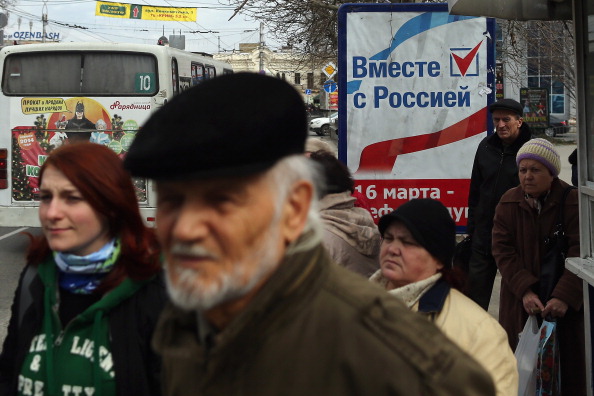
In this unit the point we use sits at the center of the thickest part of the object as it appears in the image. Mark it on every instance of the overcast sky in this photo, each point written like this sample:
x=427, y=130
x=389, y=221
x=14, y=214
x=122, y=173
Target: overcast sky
x=75, y=20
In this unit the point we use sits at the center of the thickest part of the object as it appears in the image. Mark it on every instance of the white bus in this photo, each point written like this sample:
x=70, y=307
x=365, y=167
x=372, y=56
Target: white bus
x=57, y=93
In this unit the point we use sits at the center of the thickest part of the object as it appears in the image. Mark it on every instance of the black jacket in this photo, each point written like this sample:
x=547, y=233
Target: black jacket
x=493, y=173
x=131, y=325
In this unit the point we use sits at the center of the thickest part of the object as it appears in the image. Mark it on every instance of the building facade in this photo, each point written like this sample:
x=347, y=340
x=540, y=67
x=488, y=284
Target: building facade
x=304, y=74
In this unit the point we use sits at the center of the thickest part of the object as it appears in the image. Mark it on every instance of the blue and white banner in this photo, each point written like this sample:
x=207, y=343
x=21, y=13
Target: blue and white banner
x=415, y=83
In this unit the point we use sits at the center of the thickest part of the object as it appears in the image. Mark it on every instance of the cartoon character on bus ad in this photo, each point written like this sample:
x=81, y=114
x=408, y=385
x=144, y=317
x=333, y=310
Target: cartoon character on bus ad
x=58, y=121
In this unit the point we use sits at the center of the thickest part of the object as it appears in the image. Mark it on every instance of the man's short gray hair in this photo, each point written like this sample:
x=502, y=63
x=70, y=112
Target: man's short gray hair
x=282, y=177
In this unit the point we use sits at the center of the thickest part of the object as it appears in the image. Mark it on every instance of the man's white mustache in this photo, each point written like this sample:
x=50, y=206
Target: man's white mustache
x=192, y=251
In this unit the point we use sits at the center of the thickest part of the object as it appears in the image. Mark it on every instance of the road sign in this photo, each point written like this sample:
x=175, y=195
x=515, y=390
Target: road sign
x=330, y=69
x=308, y=91
x=330, y=86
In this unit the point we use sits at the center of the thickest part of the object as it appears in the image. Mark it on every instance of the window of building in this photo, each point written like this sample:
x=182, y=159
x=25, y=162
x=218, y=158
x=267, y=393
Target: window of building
x=545, y=60
x=310, y=80
x=297, y=78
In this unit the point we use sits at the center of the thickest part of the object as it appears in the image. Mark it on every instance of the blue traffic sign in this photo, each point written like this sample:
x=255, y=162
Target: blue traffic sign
x=330, y=86
x=308, y=91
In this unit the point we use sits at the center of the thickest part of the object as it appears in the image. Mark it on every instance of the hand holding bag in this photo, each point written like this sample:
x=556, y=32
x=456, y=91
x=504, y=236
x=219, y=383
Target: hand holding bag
x=548, y=370
x=526, y=355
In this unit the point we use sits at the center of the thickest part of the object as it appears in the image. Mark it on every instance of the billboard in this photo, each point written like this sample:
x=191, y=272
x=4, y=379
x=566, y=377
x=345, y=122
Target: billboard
x=414, y=86
x=535, y=107
x=146, y=12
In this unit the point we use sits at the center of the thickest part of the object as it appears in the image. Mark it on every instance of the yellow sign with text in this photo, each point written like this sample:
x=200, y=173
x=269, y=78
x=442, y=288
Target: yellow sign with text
x=146, y=12
x=43, y=105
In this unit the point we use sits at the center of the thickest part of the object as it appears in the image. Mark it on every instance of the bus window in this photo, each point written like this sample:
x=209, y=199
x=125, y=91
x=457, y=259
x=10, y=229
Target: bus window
x=119, y=73
x=211, y=72
x=197, y=73
x=69, y=73
x=174, y=76
x=40, y=73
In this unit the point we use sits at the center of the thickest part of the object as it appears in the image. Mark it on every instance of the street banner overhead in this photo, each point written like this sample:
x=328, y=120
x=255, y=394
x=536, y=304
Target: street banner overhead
x=146, y=12
x=414, y=86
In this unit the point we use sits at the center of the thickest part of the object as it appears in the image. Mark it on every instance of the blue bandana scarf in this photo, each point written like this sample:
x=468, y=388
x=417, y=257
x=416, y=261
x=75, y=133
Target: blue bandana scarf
x=82, y=274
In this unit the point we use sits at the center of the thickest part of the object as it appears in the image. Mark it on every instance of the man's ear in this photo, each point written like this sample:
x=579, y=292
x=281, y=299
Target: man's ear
x=295, y=210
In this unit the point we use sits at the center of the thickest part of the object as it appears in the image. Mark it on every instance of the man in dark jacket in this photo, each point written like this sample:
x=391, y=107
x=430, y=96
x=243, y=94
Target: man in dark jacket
x=493, y=173
x=258, y=307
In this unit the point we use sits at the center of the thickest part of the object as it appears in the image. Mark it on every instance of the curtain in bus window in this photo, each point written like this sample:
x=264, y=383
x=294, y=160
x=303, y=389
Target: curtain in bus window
x=212, y=73
x=42, y=73
x=197, y=73
x=119, y=73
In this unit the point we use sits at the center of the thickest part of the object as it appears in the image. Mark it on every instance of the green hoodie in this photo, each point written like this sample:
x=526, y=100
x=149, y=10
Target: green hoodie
x=79, y=360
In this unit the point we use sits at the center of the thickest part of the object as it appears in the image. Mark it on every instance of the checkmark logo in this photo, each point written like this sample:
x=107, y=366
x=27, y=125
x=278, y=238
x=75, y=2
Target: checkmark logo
x=463, y=62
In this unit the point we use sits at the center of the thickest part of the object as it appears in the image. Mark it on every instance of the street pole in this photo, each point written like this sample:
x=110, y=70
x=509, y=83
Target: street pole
x=261, y=48
x=44, y=20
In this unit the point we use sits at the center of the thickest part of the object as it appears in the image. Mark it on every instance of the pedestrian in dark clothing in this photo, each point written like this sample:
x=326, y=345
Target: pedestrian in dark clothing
x=574, y=167
x=258, y=306
x=493, y=173
x=525, y=220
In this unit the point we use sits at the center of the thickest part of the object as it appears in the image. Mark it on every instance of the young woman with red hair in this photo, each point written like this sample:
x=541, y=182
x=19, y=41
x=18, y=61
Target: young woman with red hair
x=89, y=298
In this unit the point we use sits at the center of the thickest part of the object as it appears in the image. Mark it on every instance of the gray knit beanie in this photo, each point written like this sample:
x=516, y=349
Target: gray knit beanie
x=543, y=151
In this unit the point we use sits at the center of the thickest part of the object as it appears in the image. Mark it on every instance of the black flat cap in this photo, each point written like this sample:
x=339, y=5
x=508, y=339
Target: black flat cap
x=507, y=104
x=430, y=223
x=232, y=125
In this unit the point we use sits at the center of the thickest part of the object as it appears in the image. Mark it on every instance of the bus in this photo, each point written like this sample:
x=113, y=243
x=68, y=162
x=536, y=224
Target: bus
x=57, y=93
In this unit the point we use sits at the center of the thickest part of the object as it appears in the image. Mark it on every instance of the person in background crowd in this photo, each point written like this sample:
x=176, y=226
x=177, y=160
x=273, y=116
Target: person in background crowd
x=350, y=235
x=418, y=241
x=574, y=167
x=524, y=220
x=89, y=298
x=258, y=306
x=494, y=172
x=313, y=144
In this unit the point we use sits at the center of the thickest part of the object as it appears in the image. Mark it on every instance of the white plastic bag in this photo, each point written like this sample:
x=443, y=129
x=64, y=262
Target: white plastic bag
x=526, y=355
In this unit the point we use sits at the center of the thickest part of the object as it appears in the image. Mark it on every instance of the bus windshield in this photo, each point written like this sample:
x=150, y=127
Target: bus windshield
x=80, y=73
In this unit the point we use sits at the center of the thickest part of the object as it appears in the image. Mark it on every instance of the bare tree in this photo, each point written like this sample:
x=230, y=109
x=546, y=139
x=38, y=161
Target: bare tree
x=544, y=51
x=535, y=48
x=310, y=27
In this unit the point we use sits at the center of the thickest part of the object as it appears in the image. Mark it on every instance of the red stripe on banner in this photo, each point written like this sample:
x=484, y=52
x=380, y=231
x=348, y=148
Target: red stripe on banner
x=382, y=156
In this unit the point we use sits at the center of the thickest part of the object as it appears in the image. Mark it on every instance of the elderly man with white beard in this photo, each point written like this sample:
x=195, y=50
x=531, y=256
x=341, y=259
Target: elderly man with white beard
x=257, y=306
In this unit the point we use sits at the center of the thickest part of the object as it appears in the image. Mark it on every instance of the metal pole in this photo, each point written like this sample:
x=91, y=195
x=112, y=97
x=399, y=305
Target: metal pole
x=261, y=47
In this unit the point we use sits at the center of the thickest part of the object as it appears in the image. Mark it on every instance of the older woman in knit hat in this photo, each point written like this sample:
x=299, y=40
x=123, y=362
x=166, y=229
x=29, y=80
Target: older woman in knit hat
x=418, y=241
x=524, y=224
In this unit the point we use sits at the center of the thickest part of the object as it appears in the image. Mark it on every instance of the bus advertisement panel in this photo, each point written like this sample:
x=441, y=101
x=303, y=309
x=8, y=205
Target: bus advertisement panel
x=44, y=124
x=414, y=86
